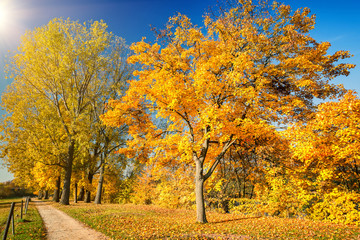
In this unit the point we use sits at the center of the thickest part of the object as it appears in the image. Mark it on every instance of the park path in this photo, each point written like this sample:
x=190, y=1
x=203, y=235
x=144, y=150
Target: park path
x=60, y=226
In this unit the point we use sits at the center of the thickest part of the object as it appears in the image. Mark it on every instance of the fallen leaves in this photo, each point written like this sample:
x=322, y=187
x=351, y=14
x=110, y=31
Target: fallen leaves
x=151, y=222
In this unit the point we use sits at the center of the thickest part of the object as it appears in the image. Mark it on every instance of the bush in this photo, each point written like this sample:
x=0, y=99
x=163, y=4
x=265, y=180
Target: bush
x=284, y=197
x=125, y=191
x=338, y=207
x=175, y=193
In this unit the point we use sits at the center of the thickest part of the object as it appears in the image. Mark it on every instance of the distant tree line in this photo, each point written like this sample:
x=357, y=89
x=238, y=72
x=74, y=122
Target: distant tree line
x=9, y=189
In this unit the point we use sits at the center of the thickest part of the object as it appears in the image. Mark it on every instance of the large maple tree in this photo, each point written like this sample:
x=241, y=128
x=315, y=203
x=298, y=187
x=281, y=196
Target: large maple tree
x=250, y=67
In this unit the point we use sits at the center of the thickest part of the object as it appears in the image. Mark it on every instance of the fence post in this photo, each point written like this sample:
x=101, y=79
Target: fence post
x=13, y=224
x=26, y=204
x=21, y=214
x=11, y=213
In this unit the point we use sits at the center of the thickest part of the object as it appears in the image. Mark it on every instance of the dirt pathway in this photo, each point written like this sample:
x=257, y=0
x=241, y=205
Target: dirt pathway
x=60, y=226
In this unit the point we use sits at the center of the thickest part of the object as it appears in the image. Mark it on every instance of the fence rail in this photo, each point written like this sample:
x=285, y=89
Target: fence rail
x=11, y=217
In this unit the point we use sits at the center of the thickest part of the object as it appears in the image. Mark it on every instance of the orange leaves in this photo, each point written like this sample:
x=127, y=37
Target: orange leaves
x=234, y=72
x=203, y=90
x=328, y=145
x=150, y=222
x=301, y=20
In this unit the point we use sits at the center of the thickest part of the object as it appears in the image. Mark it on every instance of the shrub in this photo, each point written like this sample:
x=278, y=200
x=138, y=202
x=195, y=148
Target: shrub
x=338, y=206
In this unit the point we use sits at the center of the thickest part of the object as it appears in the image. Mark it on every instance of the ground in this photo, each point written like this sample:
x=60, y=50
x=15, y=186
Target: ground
x=60, y=226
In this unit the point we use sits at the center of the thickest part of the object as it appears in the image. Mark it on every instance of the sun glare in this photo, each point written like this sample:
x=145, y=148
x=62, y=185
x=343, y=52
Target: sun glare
x=10, y=28
x=3, y=15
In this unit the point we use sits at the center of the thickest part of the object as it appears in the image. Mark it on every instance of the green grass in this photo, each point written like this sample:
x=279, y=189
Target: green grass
x=30, y=227
x=10, y=200
x=4, y=211
x=152, y=222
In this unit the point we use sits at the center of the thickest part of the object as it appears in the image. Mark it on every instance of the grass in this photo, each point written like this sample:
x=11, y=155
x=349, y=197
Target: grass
x=30, y=227
x=151, y=222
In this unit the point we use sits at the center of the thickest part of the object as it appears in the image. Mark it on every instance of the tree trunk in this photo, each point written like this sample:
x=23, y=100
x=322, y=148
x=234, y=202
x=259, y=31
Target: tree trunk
x=46, y=196
x=252, y=191
x=81, y=194
x=65, y=196
x=199, y=192
x=100, y=185
x=238, y=183
x=40, y=194
x=225, y=205
x=75, y=193
x=88, y=192
x=56, y=197
x=87, y=196
x=244, y=188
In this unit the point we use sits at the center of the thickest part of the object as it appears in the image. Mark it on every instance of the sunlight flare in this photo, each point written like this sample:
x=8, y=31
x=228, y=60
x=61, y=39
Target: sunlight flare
x=12, y=13
x=4, y=14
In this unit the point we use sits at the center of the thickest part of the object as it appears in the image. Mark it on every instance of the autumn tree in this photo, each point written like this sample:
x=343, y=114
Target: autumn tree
x=327, y=147
x=31, y=140
x=67, y=66
x=252, y=66
x=99, y=141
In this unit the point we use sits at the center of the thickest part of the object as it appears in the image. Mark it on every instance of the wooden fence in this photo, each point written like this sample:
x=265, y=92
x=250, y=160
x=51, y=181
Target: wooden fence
x=11, y=217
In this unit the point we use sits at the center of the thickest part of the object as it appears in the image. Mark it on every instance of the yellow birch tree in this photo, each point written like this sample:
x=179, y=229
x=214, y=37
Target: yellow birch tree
x=67, y=66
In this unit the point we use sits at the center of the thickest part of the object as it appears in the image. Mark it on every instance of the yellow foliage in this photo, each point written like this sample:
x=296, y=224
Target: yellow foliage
x=248, y=68
x=327, y=147
x=338, y=207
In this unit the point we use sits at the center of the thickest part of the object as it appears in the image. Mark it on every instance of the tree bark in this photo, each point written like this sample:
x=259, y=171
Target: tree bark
x=88, y=192
x=244, y=188
x=100, y=185
x=225, y=205
x=199, y=192
x=87, y=196
x=75, y=193
x=46, y=196
x=40, y=194
x=65, y=196
x=81, y=194
x=56, y=197
x=252, y=191
x=200, y=177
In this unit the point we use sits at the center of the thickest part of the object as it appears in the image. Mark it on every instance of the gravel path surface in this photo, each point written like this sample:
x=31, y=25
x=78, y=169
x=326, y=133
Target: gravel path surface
x=60, y=226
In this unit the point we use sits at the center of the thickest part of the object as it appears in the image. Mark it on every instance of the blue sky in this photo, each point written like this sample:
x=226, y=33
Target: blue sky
x=337, y=22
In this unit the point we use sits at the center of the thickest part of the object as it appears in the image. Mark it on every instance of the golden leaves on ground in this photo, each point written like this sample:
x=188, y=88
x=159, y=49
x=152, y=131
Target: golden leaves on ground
x=151, y=222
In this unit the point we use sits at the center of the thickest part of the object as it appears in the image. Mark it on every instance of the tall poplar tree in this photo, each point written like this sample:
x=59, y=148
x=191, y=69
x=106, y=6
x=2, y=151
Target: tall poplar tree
x=68, y=66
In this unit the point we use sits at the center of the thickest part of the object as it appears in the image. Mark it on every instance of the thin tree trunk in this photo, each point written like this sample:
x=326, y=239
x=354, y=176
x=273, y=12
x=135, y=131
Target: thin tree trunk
x=100, y=185
x=199, y=192
x=238, y=183
x=81, y=194
x=40, y=194
x=75, y=193
x=56, y=197
x=224, y=200
x=65, y=196
x=252, y=192
x=244, y=188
